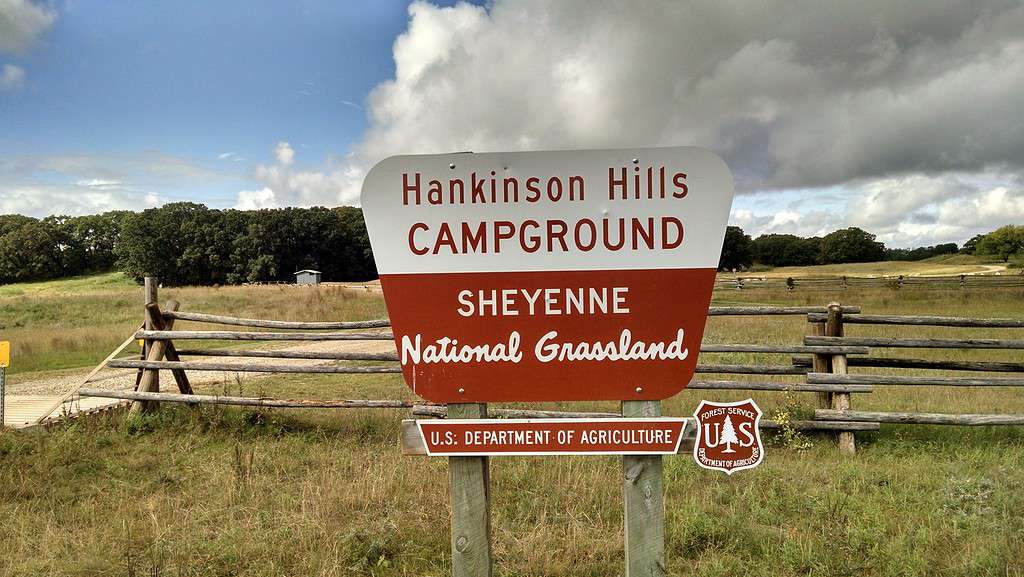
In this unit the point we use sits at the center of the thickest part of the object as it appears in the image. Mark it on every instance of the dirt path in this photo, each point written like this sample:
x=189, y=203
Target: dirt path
x=26, y=401
x=114, y=379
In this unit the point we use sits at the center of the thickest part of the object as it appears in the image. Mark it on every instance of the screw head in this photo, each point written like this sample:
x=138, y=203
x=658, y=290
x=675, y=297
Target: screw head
x=452, y=166
x=636, y=161
x=639, y=389
x=462, y=391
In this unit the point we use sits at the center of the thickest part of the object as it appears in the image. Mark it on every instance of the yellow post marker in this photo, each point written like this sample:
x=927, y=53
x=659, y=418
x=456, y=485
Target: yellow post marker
x=5, y=361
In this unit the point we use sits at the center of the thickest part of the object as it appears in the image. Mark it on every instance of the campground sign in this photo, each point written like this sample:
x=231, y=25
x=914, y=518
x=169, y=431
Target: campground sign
x=548, y=276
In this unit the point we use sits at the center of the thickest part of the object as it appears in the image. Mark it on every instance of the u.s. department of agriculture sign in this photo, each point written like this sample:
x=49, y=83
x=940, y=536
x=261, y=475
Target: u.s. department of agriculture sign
x=548, y=276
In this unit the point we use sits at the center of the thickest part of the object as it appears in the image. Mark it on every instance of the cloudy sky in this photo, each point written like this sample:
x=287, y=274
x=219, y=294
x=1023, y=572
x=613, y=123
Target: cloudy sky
x=904, y=118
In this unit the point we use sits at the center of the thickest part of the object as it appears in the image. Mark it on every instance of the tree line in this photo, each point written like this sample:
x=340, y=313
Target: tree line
x=853, y=244
x=186, y=243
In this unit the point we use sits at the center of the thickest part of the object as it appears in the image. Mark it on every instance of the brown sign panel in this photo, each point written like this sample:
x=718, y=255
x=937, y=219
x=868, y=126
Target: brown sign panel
x=548, y=276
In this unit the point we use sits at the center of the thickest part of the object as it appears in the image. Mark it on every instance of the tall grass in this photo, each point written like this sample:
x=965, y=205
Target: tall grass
x=212, y=491
x=75, y=323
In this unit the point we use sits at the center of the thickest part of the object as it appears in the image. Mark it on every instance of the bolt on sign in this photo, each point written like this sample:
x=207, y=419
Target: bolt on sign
x=548, y=276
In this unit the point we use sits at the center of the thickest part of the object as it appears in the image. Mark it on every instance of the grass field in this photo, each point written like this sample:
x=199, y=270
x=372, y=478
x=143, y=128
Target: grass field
x=946, y=265
x=74, y=323
x=230, y=492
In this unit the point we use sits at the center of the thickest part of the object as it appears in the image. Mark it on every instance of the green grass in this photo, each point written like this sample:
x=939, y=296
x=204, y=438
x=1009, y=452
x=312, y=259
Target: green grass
x=226, y=492
x=946, y=265
x=69, y=286
x=258, y=493
x=76, y=322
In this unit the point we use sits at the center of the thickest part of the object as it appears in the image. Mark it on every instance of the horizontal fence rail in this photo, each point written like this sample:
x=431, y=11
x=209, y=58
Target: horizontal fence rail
x=246, y=401
x=829, y=378
x=839, y=283
x=920, y=418
x=783, y=387
x=269, y=324
x=761, y=311
x=251, y=367
x=898, y=363
x=885, y=342
x=912, y=320
x=310, y=355
x=255, y=336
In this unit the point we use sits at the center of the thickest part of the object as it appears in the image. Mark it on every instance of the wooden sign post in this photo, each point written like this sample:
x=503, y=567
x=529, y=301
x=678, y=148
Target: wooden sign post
x=549, y=276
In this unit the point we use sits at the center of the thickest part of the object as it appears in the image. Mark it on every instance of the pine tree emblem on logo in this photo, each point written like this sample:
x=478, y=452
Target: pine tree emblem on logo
x=728, y=438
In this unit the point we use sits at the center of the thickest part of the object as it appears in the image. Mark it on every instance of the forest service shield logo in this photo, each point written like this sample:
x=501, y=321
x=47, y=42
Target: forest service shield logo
x=728, y=438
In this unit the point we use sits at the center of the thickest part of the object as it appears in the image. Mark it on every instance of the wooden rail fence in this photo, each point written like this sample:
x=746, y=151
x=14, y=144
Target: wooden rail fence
x=1011, y=279
x=823, y=360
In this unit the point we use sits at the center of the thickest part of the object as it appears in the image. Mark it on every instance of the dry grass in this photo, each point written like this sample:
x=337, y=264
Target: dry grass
x=53, y=328
x=231, y=492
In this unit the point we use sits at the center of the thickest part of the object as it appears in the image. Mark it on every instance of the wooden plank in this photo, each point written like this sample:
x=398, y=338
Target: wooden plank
x=752, y=348
x=920, y=320
x=773, y=386
x=272, y=324
x=821, y=425
x=643, y=503
x=469, y=482
x=257, y=336
x=756, y=311
x=916, y=343
x=825, y=378
x=334, y=356
x=250, y=367
x=920, y=418
x=193, y=399
x=752, y=369
x=896, y=363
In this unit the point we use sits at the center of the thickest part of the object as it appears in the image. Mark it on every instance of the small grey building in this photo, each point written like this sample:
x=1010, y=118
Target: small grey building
x=307, y=276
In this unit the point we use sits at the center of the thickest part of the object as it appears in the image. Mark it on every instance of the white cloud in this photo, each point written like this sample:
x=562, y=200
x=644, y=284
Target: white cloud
x=337, y=184
x=284, y=154
x=903, y=212
x=92, y=183
x=891, y=109
x=256, y=199
x=12, y=77
x=22, y=23
x=42, y=200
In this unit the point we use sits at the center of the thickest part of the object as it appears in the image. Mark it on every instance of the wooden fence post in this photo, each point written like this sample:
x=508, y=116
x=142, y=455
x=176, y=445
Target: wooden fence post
x=470, y=486
x=150, y=378
x=834, y=328
x=644, y=503
x=819, y=362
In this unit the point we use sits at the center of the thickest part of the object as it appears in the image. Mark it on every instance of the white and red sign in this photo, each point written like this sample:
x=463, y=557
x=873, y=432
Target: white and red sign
x=728, y=436
x=548, y=276
x=612, y=436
